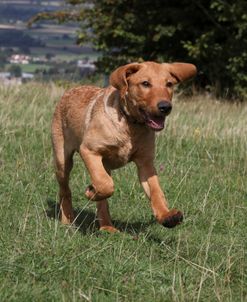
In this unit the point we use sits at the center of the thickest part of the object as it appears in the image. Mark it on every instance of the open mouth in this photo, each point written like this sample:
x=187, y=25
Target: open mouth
x=155, y=122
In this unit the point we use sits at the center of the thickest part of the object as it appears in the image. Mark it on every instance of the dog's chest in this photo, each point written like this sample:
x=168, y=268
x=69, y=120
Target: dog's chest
x=116, y=156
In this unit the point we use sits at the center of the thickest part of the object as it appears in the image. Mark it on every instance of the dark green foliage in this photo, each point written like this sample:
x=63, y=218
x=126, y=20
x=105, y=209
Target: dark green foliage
x=15, y=71
x=3, y=59
x=212, y=34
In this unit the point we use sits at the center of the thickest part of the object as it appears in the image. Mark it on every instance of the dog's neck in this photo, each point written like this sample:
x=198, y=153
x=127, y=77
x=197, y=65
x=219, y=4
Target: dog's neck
x=123, y=105
x=124, y=111
x=115, y=106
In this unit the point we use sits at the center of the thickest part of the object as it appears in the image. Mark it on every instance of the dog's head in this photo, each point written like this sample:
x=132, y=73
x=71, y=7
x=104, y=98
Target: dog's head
x=147, y=89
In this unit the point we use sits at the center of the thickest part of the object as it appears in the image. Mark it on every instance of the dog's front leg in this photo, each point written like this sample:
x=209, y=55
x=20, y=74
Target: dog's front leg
x=102, y=185
x=150, y=182
x=104, y=217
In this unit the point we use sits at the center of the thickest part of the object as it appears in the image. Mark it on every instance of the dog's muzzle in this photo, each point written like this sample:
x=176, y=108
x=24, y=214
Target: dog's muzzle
x=155, y=122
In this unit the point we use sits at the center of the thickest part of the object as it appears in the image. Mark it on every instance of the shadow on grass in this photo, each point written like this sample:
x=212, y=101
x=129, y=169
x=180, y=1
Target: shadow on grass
x=87, y=222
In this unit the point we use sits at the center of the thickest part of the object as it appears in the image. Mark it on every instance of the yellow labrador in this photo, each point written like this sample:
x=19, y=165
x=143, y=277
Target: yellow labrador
x=112, y=126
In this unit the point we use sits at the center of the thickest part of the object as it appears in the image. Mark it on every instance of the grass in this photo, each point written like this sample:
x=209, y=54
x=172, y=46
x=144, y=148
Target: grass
x=30, y=67
x=202, y=163
x=33, y=67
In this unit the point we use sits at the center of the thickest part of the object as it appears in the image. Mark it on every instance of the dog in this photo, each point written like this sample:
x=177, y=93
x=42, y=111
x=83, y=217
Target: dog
x=112, y=126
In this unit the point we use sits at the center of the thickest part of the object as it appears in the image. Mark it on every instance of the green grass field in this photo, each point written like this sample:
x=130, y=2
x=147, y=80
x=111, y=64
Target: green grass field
x=30, y=67
x=202, y=163
x=33, y=67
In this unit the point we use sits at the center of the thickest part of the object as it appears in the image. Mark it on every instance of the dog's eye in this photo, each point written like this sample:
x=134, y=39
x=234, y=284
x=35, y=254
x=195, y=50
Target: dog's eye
x=169, y=84
x=146, y=84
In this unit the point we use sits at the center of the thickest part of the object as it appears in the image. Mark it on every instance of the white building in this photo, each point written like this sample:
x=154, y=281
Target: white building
x=19, y=59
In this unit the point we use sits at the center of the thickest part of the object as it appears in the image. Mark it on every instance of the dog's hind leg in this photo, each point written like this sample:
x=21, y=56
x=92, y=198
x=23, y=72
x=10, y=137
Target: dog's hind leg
x=63, y=160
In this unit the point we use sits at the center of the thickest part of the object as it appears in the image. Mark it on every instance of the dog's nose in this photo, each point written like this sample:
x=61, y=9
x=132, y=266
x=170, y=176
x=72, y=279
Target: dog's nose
x=165, y=107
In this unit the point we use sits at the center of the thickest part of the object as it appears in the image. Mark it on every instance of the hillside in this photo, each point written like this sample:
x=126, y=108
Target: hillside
x=51, y=47
x=202, y=165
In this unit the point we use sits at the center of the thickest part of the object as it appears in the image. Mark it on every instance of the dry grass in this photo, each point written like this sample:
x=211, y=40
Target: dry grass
x=201, y=159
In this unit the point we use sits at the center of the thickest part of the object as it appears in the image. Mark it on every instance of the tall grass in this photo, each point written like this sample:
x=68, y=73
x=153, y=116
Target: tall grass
x=202, y=164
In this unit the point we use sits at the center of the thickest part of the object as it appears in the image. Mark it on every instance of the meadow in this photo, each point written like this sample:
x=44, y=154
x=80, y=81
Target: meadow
x=202, y=165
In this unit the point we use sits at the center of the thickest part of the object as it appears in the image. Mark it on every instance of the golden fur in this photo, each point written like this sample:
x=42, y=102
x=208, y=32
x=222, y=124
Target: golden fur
x=112, y=126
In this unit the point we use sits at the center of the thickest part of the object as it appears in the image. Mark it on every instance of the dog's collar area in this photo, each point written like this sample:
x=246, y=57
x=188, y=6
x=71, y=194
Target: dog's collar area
x=128, y=117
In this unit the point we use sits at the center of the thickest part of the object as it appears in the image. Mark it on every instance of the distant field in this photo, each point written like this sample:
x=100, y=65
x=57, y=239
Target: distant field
x=59, y=40
x=64, y=54
x=31, y=67
x=202, y=164
x=63, y=48
x=28, y=2
x=54, y=29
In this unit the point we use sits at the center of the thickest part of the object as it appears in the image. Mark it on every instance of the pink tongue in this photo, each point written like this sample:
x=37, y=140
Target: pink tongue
x=156, y=122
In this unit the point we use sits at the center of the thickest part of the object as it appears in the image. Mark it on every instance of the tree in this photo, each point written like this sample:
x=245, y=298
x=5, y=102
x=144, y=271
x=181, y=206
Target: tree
x=212, y=34
x=49, y=55
x=15, y=71
x=3, y=59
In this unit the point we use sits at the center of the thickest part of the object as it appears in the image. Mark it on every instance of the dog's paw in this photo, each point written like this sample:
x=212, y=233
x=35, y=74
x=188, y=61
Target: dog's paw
x=94, y=195
x=109, y=229
x=173, y=218
x=90, y=192
x=67, y=219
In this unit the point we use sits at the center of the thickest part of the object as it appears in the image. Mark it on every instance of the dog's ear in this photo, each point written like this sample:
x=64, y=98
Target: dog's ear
x=182, y=71
x=119, y=77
